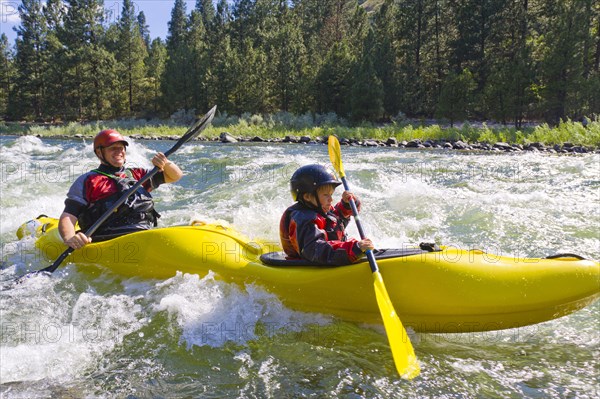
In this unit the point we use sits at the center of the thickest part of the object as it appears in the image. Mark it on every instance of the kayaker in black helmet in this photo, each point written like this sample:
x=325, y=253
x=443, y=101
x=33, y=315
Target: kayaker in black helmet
x=94, y=192
x=312, y=228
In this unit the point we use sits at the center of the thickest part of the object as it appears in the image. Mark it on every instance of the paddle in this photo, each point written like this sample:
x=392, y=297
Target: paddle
x=192, y=132
x=402, y=350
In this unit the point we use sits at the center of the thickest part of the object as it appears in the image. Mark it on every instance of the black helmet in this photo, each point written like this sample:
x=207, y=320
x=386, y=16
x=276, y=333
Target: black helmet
x=310, y=177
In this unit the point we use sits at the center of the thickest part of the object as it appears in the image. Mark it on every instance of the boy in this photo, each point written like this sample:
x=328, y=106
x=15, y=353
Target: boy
x=312, y=228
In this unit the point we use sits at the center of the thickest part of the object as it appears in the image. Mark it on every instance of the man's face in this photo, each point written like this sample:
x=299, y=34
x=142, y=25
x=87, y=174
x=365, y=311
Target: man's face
x=114, y=154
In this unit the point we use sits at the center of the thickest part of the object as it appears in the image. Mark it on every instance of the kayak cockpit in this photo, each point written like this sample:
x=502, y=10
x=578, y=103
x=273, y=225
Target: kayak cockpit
x=281, y=259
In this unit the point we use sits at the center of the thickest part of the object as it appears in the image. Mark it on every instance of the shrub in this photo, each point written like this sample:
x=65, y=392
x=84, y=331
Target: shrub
x=256, y=120
x=322, y=125
x=399, y=118
x=329, y=119
x=183, y=117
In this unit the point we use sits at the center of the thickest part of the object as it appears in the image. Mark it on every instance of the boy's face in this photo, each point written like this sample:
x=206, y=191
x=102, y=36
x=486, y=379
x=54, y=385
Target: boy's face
x=325, y=197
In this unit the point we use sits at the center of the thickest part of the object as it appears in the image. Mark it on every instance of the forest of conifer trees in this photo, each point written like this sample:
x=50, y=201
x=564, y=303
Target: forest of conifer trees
x=503, y=60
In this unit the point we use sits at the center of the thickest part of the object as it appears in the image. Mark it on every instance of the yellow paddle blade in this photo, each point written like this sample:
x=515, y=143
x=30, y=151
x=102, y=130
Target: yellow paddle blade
x=335, y=155
x=402, y=350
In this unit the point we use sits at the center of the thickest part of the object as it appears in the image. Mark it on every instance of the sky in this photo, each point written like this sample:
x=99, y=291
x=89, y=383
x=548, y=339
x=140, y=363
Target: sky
x=158, y=13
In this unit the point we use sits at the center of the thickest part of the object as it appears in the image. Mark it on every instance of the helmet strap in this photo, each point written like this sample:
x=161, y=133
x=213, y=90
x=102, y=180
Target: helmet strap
x=100, y=155
x=319, y=205
x=103, y=159
x=310, y=204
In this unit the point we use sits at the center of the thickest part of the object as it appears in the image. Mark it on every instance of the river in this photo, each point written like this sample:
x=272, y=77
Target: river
x=75, y=335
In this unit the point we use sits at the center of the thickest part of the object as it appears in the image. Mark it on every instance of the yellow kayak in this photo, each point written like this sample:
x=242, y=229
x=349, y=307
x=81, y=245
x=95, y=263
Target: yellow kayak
x=442, y=291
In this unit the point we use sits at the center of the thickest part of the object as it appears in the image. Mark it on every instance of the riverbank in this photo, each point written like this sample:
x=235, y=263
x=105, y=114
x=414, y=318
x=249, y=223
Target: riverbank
x=567, y=137
x=441, y=144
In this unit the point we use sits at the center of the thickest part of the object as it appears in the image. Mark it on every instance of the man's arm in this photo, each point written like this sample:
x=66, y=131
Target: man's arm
x=66, y=228
x=170, y=170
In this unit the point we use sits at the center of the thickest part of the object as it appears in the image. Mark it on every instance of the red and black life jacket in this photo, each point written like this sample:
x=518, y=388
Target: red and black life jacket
x=318, y=237
x=136, y=213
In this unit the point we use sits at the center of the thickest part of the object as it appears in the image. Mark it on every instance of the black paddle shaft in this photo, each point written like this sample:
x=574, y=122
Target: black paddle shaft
x=361, y=232
x=193, y=131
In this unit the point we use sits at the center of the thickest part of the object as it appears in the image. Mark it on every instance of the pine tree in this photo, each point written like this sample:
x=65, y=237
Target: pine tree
x=456, y=96
x=144, y=29
x=384, y=53
x=6, y=74
x=248, y=66
x=131, y=55
x=358, y=28
x=591, y=59
x=507, y=93
x=223, y=15
x=89, y=67
x=287, y=61
x=411, y=20
x=316, y=21
x=242, y=22
x=251, y=87
x=440, y=32
x=525, y=59
x=366, y=94
x=336, y=24
x=202, y=42
x=333, y=81
x=54, y=99
x=31, y=59
x=594, y=78
x=562, y=62
x=268, y=20
x=474, y=21
x=220, y=75
x=200, y=64
x=176, y=85
x=206, y=9
x=155, y=67
x=465, y=43
x=177, y=25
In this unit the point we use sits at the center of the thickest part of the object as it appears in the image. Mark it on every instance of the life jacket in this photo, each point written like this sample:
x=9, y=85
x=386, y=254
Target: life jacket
x=330, y=227
x=334, y=228
x=136, y=213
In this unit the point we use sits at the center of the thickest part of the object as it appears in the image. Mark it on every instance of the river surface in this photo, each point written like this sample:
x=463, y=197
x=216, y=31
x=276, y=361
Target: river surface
x=74, y=335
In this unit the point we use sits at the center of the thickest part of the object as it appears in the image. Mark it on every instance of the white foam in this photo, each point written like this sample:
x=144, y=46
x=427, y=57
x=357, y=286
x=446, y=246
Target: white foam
x=211, y=312
x=55, y=341
x=32, y=145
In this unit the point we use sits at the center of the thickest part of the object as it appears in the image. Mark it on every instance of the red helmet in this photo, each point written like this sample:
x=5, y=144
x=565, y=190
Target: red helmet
x=107, y=138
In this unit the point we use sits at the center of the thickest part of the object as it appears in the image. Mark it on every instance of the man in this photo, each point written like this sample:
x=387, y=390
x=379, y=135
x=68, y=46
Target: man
x=96, y=191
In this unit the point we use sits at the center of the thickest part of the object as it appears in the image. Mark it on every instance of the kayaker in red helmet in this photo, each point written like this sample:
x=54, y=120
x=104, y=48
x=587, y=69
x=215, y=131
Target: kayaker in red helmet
x=312, y=228
x=94, y=192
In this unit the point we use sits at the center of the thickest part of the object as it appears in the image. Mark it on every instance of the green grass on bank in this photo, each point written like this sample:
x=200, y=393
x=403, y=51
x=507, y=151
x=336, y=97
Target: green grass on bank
x=271, y=127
